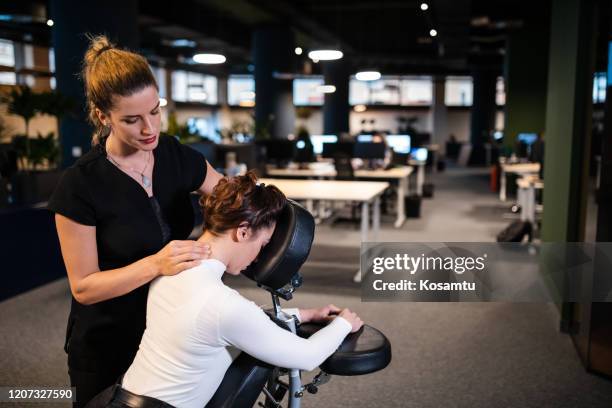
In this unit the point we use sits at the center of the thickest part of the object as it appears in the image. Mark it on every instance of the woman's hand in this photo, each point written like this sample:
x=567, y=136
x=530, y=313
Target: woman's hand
x=321, y=315
x=328, y=313
x=352, y=318
x=177, y=256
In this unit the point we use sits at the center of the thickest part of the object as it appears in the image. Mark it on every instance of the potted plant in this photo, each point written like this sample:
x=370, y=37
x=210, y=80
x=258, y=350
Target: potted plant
x=182, y=132
x=37, y=173
x=21, y=101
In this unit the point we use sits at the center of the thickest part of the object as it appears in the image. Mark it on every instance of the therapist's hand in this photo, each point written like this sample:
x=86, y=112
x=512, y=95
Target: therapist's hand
x=178, y=256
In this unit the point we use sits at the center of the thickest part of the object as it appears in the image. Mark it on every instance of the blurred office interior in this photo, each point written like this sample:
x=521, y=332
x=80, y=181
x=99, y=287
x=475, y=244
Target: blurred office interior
x=481, y=121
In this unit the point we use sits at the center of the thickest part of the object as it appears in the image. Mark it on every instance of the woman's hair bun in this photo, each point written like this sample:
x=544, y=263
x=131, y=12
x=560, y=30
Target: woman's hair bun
x=97, y=45
x=240, y=199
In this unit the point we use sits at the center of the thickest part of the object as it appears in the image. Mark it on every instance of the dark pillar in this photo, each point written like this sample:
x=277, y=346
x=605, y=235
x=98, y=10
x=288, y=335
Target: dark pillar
x=273, y=55
x=439, y=113
x=568, y=120
x=600, y=356
x=483, y=112
x=526, y=72
x=336, y=109
x=567, y=143
x=73, y=19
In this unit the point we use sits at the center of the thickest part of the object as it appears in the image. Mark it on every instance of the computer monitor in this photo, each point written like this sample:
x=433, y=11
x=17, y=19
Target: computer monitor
x=201, y=127
x=331, y=150
x=303, y=151
x=524, y=143
x=318, y=140
x=369, y=151
x=364, y=138
x=279, y=150
x=399, y=143
x=419, y=154
x=527, y=138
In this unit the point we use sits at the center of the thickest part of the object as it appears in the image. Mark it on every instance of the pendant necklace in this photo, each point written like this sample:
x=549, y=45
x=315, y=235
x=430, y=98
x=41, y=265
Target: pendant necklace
x=146, y=181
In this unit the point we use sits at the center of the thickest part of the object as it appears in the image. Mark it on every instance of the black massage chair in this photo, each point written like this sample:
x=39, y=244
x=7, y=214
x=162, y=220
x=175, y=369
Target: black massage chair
x=277, y=271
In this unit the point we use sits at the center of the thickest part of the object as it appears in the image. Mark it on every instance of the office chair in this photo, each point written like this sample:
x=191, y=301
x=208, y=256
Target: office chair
x=345, y=172
x=344, y=168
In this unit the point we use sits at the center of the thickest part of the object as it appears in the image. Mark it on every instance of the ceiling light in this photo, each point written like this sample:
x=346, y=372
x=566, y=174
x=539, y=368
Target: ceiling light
x=367, y=76
x=326, y=89
x=298, y=50
x=209, y=58
x=360, y=108
x=325, y=55
x=433, y=32
x=163, y=102
x=50, y=23
x=424, y=6
x=182, y=42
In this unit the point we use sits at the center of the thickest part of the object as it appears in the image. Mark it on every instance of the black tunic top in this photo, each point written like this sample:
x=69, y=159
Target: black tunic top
x=129, y=227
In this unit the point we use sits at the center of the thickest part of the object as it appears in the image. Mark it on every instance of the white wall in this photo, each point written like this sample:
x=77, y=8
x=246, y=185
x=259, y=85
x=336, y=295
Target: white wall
x=388, y=120
x=458, y=119
x=458, y=124
x=385, y=120
x=15, y=125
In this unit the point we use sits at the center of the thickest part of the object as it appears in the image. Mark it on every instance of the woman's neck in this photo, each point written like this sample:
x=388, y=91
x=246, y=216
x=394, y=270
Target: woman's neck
x=119, y=149
x=219, y=249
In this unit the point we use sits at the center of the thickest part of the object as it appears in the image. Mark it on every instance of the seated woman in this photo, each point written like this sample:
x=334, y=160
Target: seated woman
x=193, y=318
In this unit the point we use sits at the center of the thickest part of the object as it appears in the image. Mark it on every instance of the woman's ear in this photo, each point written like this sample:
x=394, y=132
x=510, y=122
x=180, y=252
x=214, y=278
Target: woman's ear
x=103, y=117
x=243, y=232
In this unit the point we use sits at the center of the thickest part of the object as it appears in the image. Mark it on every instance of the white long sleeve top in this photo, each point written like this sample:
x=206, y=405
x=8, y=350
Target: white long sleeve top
x=194, y=319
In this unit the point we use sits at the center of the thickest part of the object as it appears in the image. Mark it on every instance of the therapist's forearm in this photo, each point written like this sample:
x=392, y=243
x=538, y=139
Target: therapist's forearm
x=103, y=285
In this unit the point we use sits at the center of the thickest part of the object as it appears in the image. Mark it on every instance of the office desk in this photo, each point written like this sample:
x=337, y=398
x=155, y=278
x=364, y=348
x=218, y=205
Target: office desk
x=522, y=169
x=401, y=174
x=364, y=192
x=319, y=171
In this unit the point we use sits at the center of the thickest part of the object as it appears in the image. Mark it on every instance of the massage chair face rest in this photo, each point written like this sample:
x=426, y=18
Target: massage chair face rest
x=361, y=353
x=281, y=259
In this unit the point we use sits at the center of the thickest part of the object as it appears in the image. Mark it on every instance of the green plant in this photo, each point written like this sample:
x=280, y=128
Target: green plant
x=303, y=112
x=21, y=101
x=56, y=104
x=244, y=127
x=262, y=128
x=181, y=131
x=44, y=148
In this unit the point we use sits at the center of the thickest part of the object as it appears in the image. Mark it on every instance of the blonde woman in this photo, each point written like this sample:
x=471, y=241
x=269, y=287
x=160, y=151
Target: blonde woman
x=123, y=214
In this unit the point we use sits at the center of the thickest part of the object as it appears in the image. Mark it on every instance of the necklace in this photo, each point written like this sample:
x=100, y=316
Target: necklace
x=146, y=181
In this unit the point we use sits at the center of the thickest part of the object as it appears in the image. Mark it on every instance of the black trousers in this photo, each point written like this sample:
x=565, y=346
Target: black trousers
x=89, y=384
